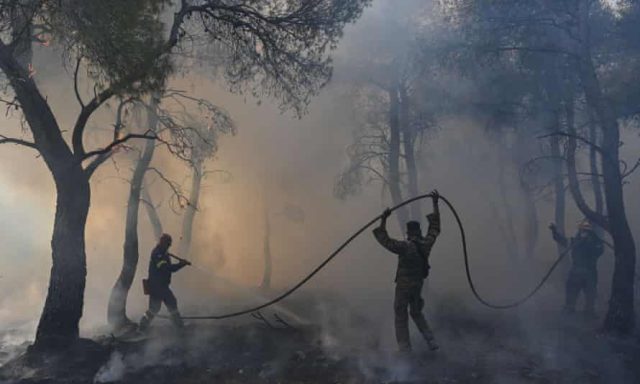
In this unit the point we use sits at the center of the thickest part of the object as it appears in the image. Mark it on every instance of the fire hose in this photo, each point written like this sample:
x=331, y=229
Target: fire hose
x=338, y=250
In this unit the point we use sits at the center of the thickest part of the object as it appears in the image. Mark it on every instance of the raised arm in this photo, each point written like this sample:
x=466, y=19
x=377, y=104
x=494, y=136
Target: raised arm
x=434, y=221
x=383, y=238
x=557, y=236
x=179, y=265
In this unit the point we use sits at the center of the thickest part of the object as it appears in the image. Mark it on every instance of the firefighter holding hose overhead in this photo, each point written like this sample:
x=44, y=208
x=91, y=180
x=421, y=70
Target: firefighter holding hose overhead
x=157, y=285
x=586, y=249
x=413, y=269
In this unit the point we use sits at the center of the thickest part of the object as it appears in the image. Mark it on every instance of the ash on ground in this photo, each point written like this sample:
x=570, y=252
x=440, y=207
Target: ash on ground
x=479, y=347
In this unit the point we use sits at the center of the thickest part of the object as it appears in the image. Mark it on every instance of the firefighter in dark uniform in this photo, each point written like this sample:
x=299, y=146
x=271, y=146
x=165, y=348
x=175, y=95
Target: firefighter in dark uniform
x=160, y=270
x=586, y=248
x=413, y=268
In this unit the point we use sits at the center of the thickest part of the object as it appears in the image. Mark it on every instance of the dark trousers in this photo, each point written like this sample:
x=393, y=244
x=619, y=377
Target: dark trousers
x=409, y=296
x=157, y=296
x=581, y=281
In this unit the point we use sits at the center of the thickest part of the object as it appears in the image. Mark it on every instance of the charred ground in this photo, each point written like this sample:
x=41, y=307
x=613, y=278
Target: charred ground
x=530, y=346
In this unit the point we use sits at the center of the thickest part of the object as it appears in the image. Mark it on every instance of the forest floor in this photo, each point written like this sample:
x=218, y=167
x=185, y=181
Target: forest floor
x=475, y=349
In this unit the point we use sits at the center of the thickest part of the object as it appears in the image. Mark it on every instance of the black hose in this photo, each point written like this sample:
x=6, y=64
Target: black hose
x=468, y=271
x=362, y=229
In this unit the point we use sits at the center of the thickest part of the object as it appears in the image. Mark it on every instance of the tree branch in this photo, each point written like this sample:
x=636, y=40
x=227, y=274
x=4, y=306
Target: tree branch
x=117, y=142
x=117, y=128
x=83, y=118
x=75, y=82
x=577, y=137
x=572, y=173
x=13, y=140
x=183, y=201
x=633, y=169
x=100, y=98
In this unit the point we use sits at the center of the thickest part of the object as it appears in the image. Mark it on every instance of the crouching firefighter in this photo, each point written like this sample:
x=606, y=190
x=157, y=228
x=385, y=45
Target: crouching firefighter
x=157, y=285
x=413, y=268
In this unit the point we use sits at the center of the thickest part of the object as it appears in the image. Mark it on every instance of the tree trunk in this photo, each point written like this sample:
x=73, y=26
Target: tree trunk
x=511, y=240
x=63, y=306
x=521, y=154
x=558, y=184
x=620, y=315
x=266, y=275
x=409, y=139
x=532, y=224
x=117, y=308
x=596, y=183
x=191, y=210
x=395, y=187
x=65, y=297
x=152, y=213
x=550, y=80
x=594, y=169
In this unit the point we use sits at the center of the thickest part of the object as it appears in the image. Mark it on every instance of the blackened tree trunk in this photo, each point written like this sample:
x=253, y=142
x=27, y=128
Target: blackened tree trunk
x=620, y=315
x=596, y=183
x=62, y=311
x=63, y=306
x=117, y=308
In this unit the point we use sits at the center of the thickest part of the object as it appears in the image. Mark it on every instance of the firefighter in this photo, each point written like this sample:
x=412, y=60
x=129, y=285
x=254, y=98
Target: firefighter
x=160, y=270
x=583, y=275
x=413, y=268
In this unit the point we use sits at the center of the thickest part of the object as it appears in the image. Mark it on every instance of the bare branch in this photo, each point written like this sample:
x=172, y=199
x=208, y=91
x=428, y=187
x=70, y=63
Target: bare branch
x=633, y=169
x=281, y=321
x=117, y=129
x=118, y=142
x=13, y=140
x=577, y=137
x=83, y=118
x=183, y=201
x=75, y=82
x=259, y=316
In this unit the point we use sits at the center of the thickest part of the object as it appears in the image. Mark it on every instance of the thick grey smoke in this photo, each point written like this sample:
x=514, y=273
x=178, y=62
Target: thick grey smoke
x=282, y=161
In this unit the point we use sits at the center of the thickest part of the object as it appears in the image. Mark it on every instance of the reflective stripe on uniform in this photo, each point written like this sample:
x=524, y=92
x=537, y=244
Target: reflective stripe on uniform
x=160, y=263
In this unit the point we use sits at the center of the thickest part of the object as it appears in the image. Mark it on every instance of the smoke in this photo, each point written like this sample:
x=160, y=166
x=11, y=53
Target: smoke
x=113, y=371
x=294, y=162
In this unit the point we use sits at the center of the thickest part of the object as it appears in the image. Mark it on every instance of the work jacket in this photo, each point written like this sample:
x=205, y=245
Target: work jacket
x=160, y=268
x=413, y=254
x=586, y=249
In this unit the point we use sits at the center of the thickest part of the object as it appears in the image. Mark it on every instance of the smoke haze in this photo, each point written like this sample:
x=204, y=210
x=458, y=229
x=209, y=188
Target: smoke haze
x=281, y=160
